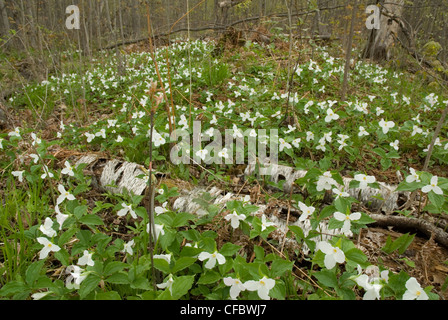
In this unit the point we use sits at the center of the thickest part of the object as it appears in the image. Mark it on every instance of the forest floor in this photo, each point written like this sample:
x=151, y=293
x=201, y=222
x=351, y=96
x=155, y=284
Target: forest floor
x=243, y=86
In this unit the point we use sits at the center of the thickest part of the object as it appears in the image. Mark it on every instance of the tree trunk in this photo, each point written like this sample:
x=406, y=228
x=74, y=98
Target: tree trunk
x=381, y=40
x=4, y=17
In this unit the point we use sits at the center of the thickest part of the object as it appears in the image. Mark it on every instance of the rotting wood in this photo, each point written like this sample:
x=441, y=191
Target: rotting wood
x=118, y=176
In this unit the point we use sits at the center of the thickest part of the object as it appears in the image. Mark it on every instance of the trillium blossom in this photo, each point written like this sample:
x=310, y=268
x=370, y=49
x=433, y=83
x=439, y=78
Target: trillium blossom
x=64, y=195
x=60, y=217
x=283, y=144
x=414, y=176
x=262, y=286
x=18, y=174
x=265, y=223
x=331, y=115
x=325, y=181
x=157, y=139
x=364, y=180
x=236, y=286
x=125, y=210
x=168, y=284
x=296, y=142
x=223, y=153
x=372, y=281
x=86, y=259
x=47, y=229
x=48, y=247
x=76, y=276
x=333, y=255
x=36, y=139
x=166, y=257
x=414, y=291
x=395, y=144
x=433, y=186
x=347, y=219
x=306, y=211
x=15, y=133
x=362, y=132
x=161, y=209
x=127, y=247
x=68, y=169
x=340, y=193
x=235, y=219
x=212, y=258
x=386, y=125
x=46, y=173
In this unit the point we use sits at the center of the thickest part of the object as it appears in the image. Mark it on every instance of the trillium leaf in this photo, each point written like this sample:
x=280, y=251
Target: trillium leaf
x=229, y=249
x=33, y=272
x=88, y=285
x=327, y=278
x=182, y=263
x=91, y=220
x=181, y=286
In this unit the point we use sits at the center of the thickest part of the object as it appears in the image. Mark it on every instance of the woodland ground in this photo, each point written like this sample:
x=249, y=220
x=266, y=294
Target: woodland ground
x=253, y=77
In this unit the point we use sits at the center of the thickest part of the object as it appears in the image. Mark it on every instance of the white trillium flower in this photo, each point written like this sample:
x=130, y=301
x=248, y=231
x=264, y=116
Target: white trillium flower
x=18, y=174
x=386, y=125
x=47, y=229
x=306, y=211
x=161, y=209
x=340, y=193
x=362, y=132
x=433, y=186
x=212, y=258
x=236, y=286
x=413, y=176
x=166, y=257
x=414, y=291
x=265, y=223
x=262, y=286
x=283, y=144
x=68, y=169
x=86, y=259
x=395, y=144
x=15, y=133
x=364, y=180
x=76, y=276
x=60, y=217
x=127, y=247
x=64, y=195
x=325, y=181
x=347, y=219
x=48, y=247
x=125, y=210
x=333, y=255
x=202, y=153
x=331, y=115
x=235, y=219
x=168, y=284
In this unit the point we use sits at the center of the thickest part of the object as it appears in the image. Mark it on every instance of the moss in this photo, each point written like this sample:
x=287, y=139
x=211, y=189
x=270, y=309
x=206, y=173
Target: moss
x=431, y=49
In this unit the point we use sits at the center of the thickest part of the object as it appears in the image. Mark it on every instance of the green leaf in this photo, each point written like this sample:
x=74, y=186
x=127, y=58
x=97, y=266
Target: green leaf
x=80, y=211
x=162, y=265
x=279, y=267
x=118, y=278
x=88, y=285
x=209, y=277
x=109, y=295
x=13, y=287
x=66, y=236
x=327, y=278
x=33, y=272
x=400, y=244
x=181, y=285
x=182, y=263
x=181, y=219
x=113, y=267
x=436, y=199
x=357, y=256
x=91, y=220
x=229, y=249
x=63, y=256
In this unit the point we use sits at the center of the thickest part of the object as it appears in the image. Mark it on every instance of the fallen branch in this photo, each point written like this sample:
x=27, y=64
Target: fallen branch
x=406, y=223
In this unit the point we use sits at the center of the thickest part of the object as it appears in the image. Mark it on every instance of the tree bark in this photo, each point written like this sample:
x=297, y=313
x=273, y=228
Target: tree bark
x=381, y=40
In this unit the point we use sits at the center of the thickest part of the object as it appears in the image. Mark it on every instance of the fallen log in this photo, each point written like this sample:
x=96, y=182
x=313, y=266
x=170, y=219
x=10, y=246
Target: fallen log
x=119, y=177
